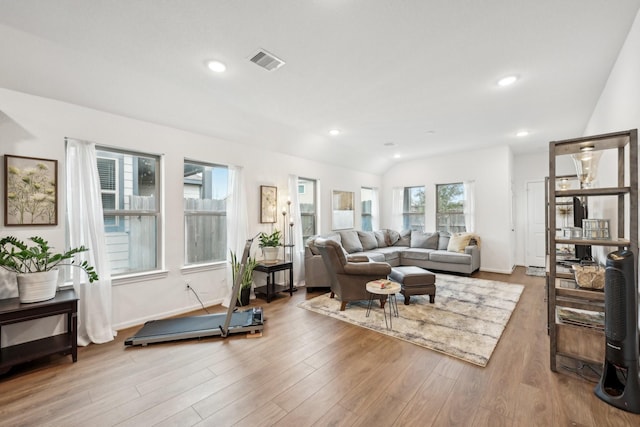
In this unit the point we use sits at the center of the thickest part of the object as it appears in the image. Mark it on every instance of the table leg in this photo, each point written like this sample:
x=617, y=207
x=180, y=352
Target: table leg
x=74, y=336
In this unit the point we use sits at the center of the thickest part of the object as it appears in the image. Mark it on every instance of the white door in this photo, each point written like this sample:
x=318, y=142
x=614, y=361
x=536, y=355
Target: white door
x=536, y=233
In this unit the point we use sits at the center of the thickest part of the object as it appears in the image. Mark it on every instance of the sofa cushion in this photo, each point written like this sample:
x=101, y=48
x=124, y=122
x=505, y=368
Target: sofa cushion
x=443, y=240
x=424, y=240
x=405, y=238
x=420, y=254
x=381, y=238
x=374, y=255
x=459, y=241
x=350, y=241
x=391, y=254
x=368, y=240
x=450, y=257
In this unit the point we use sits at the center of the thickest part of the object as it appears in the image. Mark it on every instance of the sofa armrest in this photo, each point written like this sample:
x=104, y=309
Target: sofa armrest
x=474, y=251
x=367, y=268
x=357, y=258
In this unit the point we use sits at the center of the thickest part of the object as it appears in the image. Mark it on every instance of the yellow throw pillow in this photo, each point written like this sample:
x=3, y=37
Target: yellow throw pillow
x=459, y=241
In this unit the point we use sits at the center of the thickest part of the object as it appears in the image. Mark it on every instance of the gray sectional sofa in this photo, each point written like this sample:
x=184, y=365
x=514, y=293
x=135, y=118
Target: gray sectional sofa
x=458, y=253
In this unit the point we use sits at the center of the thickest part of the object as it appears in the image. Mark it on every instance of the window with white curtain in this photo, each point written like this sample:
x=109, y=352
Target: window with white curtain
x=450, y=207
x=413, y=202
x=308, y=206
x=366, y=200
x=205, y=212
x=130, y=189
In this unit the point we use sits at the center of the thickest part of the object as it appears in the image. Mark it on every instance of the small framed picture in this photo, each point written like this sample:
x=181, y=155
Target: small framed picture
x=268, y=204
x=30, y=191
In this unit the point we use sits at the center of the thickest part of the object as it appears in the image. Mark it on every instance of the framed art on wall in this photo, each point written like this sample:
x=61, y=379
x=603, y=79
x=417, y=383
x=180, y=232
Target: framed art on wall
x=343, y=210
x=30, y=191
x=268, y=204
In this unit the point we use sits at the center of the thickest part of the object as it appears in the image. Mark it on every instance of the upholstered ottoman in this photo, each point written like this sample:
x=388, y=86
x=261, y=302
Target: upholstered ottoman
x=414, y=281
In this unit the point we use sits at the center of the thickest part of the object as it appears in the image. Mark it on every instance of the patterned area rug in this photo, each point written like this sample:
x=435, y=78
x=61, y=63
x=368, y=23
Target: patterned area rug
x=466, y=320
x=536, y=271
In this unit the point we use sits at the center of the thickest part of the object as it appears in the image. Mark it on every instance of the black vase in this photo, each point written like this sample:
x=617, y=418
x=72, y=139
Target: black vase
x=245, y=293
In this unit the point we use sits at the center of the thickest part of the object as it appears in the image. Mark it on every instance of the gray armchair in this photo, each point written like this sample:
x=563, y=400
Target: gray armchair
x=349, y=278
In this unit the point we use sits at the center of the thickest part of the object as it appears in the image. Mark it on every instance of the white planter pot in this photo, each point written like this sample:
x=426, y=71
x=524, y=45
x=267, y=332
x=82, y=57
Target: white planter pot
x=36, y=287
x=270, y=253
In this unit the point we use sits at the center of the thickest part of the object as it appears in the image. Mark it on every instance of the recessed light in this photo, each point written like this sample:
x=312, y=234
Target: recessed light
x=522, y=133
x=334, y=132
x=216, y=66
x=396, y=156
x=507, y=81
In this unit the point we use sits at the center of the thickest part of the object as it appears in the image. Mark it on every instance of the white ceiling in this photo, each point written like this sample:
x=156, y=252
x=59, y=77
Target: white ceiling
x=419, y=73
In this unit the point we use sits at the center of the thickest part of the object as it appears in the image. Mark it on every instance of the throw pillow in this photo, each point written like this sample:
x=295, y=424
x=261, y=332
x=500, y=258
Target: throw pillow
x=405, y=238
x=392, y=237
x=459, y=241
x=368, y=240
x=423, y=240
x=443, y=241
x=381, y=237
x=350, y=241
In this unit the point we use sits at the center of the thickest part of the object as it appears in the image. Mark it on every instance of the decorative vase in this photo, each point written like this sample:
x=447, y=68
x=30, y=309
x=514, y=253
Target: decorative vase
x=36, y=287
x=270, y=253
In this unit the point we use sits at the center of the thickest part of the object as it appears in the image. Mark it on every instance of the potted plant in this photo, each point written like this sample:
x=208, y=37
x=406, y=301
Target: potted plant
x=247, y=277
x=270, y=244
x=36, y=266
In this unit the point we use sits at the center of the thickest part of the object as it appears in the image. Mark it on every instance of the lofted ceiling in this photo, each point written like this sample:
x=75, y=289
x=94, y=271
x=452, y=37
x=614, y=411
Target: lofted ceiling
x=413, y=78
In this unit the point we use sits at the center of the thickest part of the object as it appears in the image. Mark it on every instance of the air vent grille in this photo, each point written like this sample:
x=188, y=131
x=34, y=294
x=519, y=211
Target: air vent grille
x=267, y=60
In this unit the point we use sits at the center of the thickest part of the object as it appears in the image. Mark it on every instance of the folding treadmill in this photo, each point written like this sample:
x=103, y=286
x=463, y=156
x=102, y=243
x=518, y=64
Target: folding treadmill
x=210, y=325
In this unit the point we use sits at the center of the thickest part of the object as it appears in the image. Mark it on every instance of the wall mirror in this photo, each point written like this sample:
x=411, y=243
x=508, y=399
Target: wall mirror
x=343, y=210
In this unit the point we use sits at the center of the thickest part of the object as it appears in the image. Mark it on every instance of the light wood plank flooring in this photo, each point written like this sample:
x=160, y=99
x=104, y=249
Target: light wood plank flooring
x=309, y=369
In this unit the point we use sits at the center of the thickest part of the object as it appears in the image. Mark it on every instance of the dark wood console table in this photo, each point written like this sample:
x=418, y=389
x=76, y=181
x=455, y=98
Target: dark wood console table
x=12, y=311
x=272, y=288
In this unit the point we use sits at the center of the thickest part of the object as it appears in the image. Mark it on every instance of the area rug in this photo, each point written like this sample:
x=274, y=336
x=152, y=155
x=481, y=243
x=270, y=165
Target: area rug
x=466, y=320
x=536, y=271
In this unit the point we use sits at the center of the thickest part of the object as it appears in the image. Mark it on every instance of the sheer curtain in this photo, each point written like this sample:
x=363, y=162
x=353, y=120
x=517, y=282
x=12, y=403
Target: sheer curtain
x=375, y=209
x=298, y=248
x=237, y=220
x=469, y=208
x=396, y=208
x=85, y=225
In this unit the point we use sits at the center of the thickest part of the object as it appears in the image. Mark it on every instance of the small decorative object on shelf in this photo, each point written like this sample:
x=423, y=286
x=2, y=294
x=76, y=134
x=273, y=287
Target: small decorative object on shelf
x=270, y=245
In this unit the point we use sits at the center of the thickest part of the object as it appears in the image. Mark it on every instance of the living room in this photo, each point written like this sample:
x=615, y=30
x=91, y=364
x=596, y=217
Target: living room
x=35, y=124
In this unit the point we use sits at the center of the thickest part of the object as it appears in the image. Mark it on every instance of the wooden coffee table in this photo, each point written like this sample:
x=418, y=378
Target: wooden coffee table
x=389, y=292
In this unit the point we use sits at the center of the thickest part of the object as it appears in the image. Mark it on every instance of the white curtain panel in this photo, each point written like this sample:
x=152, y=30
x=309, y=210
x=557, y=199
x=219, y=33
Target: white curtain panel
x=85, y=224
x=396, y=208
x=298, y=248
x=237, y=220
x=375, y=209
x=469, y=208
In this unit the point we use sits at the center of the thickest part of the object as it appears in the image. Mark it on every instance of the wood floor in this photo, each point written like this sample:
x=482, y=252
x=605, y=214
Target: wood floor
x=309, y=369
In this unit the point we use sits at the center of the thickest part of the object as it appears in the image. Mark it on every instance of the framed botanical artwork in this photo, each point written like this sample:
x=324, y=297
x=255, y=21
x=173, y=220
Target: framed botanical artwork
x=343, y=210
x=30, y=191
x=268, y=204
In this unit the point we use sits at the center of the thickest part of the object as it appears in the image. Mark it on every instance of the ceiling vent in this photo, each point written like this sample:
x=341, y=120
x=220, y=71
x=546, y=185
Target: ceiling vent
x=267, y=60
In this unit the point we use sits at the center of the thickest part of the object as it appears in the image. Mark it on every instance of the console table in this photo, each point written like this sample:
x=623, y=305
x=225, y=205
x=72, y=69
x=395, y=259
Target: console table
x=272, y=288
x=12, y=311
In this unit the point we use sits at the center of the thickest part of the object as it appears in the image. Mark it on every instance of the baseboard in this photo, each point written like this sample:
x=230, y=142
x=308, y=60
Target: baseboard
x=142, y=320
x=495, y=270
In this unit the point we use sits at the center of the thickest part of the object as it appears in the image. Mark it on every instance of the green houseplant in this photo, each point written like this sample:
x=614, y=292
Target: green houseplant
x=270, y=244
x=247, y=277
x=36, y=266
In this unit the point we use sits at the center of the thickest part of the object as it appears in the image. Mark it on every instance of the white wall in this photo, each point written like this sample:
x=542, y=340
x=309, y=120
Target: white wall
x=34, y=126
x=491, y=170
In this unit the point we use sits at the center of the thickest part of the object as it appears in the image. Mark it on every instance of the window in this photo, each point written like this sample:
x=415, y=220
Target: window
x=413, y=208
x=308, y=208
x=450, y=207
x=205, y=213
x=129, y=183
x=366, y=199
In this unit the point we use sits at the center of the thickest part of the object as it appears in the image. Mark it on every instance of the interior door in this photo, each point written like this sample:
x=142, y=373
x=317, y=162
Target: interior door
x=536, y=233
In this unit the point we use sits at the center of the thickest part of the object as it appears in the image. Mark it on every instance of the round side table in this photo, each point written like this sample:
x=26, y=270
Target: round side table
x=389, y=290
